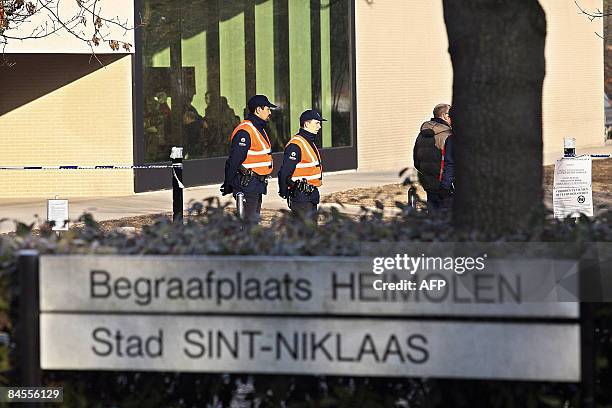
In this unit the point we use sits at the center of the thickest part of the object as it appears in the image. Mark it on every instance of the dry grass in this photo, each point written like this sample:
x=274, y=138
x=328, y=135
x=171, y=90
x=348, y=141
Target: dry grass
x=390, y=193
x=387, y=195
x=139, y=221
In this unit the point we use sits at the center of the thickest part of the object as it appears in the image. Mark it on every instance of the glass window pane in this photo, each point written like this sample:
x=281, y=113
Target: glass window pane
x=161, y=30
x=203, y=59
x=194, y=85
x=203, y=128
x=340, y=86
x=326, y=94
x=264, y=47
x=232, y=58
x=300, y=75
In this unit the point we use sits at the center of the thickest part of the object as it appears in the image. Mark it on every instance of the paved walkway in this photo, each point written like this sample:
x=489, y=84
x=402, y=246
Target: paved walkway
x=110, y=208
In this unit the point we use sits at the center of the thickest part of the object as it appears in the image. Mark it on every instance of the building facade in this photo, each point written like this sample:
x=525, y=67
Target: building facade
x=374, y=69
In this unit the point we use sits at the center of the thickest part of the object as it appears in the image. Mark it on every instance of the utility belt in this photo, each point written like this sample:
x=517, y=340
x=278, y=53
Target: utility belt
x=303, y=186
x=246, y=175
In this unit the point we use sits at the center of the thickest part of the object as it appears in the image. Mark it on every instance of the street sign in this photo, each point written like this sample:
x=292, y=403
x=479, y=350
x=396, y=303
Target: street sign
x=302, y=286
x=309, y=315
x=273, y=345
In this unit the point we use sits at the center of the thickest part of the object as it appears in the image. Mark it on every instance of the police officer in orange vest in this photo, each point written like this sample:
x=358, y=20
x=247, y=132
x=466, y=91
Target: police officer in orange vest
x=302, y=173
x=249, y=164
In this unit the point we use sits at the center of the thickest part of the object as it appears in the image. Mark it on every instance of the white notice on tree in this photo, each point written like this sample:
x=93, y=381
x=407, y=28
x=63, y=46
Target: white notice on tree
x=572, y=188
x=57, y=212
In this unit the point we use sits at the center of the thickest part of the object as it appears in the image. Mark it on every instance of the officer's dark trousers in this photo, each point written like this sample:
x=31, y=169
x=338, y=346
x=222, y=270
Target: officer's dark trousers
x=252, y=207
x=305, y=210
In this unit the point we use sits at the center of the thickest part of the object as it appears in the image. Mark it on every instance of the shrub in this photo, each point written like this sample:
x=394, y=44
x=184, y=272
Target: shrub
x=211, y=229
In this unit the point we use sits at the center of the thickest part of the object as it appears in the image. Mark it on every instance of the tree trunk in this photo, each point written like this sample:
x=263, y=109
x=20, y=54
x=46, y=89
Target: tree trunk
x=607, y=18
x=497, y=51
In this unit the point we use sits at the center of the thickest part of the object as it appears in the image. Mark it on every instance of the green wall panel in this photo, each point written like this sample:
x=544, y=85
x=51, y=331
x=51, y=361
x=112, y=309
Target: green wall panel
x=161, y=59
x=194, y=55
x=300, y=72
x=264, y=48
x=231, y=47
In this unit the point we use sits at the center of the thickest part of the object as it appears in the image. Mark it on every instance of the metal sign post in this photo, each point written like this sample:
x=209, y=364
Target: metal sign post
x=590, y=290
x=588, y=285
x=27, y=330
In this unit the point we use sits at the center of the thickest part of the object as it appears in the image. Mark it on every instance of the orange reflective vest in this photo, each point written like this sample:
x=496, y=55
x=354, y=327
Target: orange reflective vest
x=259, y=156
x=309, y=167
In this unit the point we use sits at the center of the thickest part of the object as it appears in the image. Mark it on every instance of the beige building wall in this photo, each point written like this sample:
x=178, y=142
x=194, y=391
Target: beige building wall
x=64, y=110
x=574, y=85
x=404, y=69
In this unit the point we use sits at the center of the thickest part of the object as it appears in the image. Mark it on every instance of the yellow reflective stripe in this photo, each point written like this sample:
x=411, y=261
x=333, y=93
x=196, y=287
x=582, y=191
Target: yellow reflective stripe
x=306, y=146
x=259, y=164
x=313, y=177
x=261, y=142
x=259, y=152
x=304, y=165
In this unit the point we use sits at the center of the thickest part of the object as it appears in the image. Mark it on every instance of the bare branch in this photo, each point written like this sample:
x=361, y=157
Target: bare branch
x=591, y=15
x=82, y=19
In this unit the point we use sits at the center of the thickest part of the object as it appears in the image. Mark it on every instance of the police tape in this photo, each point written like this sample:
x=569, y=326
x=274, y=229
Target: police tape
x=98, y=167
x=103, y=167
x=592, y=156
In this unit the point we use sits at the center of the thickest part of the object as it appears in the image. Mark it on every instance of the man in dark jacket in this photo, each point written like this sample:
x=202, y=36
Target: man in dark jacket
x=433, y=158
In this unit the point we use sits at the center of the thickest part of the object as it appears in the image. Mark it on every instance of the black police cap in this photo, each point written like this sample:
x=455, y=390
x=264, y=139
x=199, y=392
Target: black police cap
x=259, y=101
x=310, y=115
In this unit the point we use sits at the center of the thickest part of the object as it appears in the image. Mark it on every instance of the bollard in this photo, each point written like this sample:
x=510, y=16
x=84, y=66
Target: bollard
x=176, y=154
x=240, y=204
x=412, y=197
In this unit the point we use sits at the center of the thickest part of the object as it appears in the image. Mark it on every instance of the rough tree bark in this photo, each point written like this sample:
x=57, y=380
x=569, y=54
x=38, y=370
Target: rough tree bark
x=607, y=23
x=497, y=52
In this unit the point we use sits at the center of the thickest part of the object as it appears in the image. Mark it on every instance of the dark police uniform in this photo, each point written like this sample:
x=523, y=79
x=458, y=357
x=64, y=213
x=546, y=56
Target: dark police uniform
x=301, y=172
x=249, y=162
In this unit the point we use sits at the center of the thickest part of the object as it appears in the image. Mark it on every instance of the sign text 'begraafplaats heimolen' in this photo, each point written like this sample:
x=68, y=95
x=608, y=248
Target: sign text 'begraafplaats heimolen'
x=307, y=315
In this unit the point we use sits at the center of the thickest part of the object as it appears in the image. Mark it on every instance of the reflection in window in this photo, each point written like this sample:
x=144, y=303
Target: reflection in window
x=204, y=58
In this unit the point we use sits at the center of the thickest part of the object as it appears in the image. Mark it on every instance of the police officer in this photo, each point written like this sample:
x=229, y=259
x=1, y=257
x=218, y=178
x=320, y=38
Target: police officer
x=249, y=164
x=301, y=173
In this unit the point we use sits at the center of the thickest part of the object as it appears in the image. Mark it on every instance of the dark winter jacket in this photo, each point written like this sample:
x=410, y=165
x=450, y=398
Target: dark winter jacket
x=291, y=158
x=238, y=153
x=427, y=154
